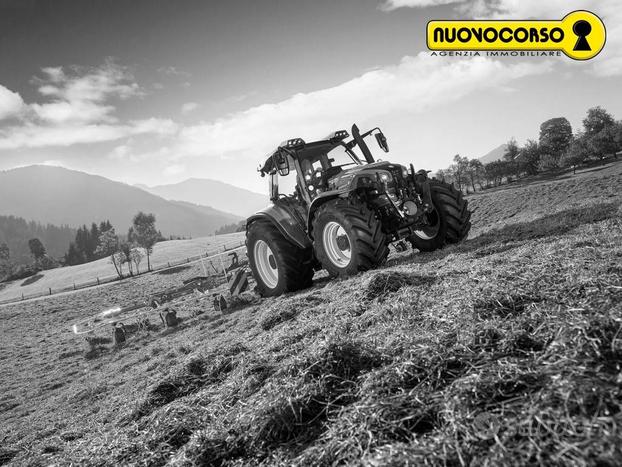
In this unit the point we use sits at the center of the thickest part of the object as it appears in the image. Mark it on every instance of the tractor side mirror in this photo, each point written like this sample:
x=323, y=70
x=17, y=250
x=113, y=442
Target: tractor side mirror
x=382, y=141
x=282, y=164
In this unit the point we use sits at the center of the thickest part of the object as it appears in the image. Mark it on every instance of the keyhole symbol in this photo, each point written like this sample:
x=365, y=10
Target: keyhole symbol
x=582, y=29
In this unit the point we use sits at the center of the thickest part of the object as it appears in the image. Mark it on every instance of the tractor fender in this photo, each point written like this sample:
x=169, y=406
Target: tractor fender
x=319, y=201
x=285, y=221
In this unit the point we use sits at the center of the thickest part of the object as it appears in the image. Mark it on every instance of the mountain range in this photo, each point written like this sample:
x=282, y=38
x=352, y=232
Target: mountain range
x=218, y=195
x=60, y=196
x=495, y=155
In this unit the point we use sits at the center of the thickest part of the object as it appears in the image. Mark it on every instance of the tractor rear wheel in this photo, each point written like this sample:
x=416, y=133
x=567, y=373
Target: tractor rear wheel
x=448, y=222
x=278, y=265
x=348, y=237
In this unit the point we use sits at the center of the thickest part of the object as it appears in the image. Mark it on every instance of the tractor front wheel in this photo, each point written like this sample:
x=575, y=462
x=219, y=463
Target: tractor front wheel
x=278, y=265
x=348, y=237
x=449, y=221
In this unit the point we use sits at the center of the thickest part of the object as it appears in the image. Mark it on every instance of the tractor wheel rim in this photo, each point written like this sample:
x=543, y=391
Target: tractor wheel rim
x=266, y=264
x=337, y=244
x=430, y=231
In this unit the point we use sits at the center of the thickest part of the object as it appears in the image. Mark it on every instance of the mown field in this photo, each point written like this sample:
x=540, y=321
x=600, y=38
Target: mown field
x=172, y=251
x=504, y=350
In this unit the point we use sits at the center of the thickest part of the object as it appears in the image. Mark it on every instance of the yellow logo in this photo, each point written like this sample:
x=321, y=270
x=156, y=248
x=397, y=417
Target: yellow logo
x=581, y=35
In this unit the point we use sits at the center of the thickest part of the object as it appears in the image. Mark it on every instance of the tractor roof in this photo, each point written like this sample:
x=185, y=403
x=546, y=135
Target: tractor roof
x=300, y=150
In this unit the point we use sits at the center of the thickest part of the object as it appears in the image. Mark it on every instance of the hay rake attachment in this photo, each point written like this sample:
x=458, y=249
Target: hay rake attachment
x=112, y=316
x=233, y=275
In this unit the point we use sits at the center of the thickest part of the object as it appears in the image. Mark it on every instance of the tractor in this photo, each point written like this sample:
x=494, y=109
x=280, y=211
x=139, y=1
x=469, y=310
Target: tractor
x=335, y=210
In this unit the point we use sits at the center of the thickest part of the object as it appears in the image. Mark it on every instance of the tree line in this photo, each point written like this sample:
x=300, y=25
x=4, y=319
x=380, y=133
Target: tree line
x=16, y=231
x=103, y=241
x=231, y=228
x=89, y=244
x=557, y=147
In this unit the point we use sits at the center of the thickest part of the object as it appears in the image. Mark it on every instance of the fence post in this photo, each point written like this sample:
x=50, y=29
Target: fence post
x=74, y=286
x=22, y=295
x=98, y=281
x=50, y=290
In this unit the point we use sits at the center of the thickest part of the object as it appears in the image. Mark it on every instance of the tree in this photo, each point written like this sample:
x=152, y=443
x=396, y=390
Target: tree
x=510, y=155
x=604, y=142
x=5, y=261
x=109, y=246
x=104, y=226
x=37, y=250
x=126, y=250
x=529, y=157
x=136, y=256
x=475, y=170
x=82, y=240
x=555, y=137
x=5, y=253
x=495, y=171
x=73, y=256
x=118, y=259
x=145, y=233
x=459, y=170
x=92, y=241
x=618, y=136
x=597, y=119
x=440, y=174
x=576, y=153
x=548, y=162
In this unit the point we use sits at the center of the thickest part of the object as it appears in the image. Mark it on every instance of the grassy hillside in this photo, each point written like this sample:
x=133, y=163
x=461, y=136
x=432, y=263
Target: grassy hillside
x=505, y=349
x=172, y=251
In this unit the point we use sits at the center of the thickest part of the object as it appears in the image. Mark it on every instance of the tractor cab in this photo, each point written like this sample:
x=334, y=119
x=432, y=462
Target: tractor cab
x=315, y=164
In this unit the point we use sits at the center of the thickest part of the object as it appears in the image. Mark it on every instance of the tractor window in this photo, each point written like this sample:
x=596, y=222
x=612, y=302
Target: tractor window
x=341, y=157
x=287, y=184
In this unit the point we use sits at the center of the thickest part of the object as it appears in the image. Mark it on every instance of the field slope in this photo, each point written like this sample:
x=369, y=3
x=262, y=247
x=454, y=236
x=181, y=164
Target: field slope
x=171, y=251
x=505, y=349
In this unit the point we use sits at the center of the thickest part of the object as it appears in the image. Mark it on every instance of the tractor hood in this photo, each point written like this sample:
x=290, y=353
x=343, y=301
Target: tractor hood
x=348, y=176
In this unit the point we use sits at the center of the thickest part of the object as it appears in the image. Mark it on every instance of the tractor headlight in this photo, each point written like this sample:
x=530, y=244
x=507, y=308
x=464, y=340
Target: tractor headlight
x=385, y=177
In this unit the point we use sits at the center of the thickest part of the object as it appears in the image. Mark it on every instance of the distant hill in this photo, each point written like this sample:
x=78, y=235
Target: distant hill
x=60, y=196
x=212, y=193
x=494, y=155
x=207, y=211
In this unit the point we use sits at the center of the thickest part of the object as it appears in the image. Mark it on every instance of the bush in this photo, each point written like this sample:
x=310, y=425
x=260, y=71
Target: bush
x=46, y=262
x=22, y=271
x=548, y=162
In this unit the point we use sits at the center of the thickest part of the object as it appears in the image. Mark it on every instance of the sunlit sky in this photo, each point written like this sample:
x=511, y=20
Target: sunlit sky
x=157, y=91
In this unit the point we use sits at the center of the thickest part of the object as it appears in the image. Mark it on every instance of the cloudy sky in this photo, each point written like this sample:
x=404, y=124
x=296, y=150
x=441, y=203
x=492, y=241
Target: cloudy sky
x=157, y=91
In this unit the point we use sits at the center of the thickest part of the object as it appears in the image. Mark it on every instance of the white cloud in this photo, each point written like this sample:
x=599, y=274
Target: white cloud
x=78, y=111
x=413, y=85
x=38, y=136
x=120, y=152
x=174, y=71
x=156, y=126
x=189, y=107
x=390, y=5
x=174, y=169
x=11, y=103
x=52, y=163
x=82, y=94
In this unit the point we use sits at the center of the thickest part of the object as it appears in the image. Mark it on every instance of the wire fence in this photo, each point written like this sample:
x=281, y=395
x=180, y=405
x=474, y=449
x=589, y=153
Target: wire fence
x=221, y=250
